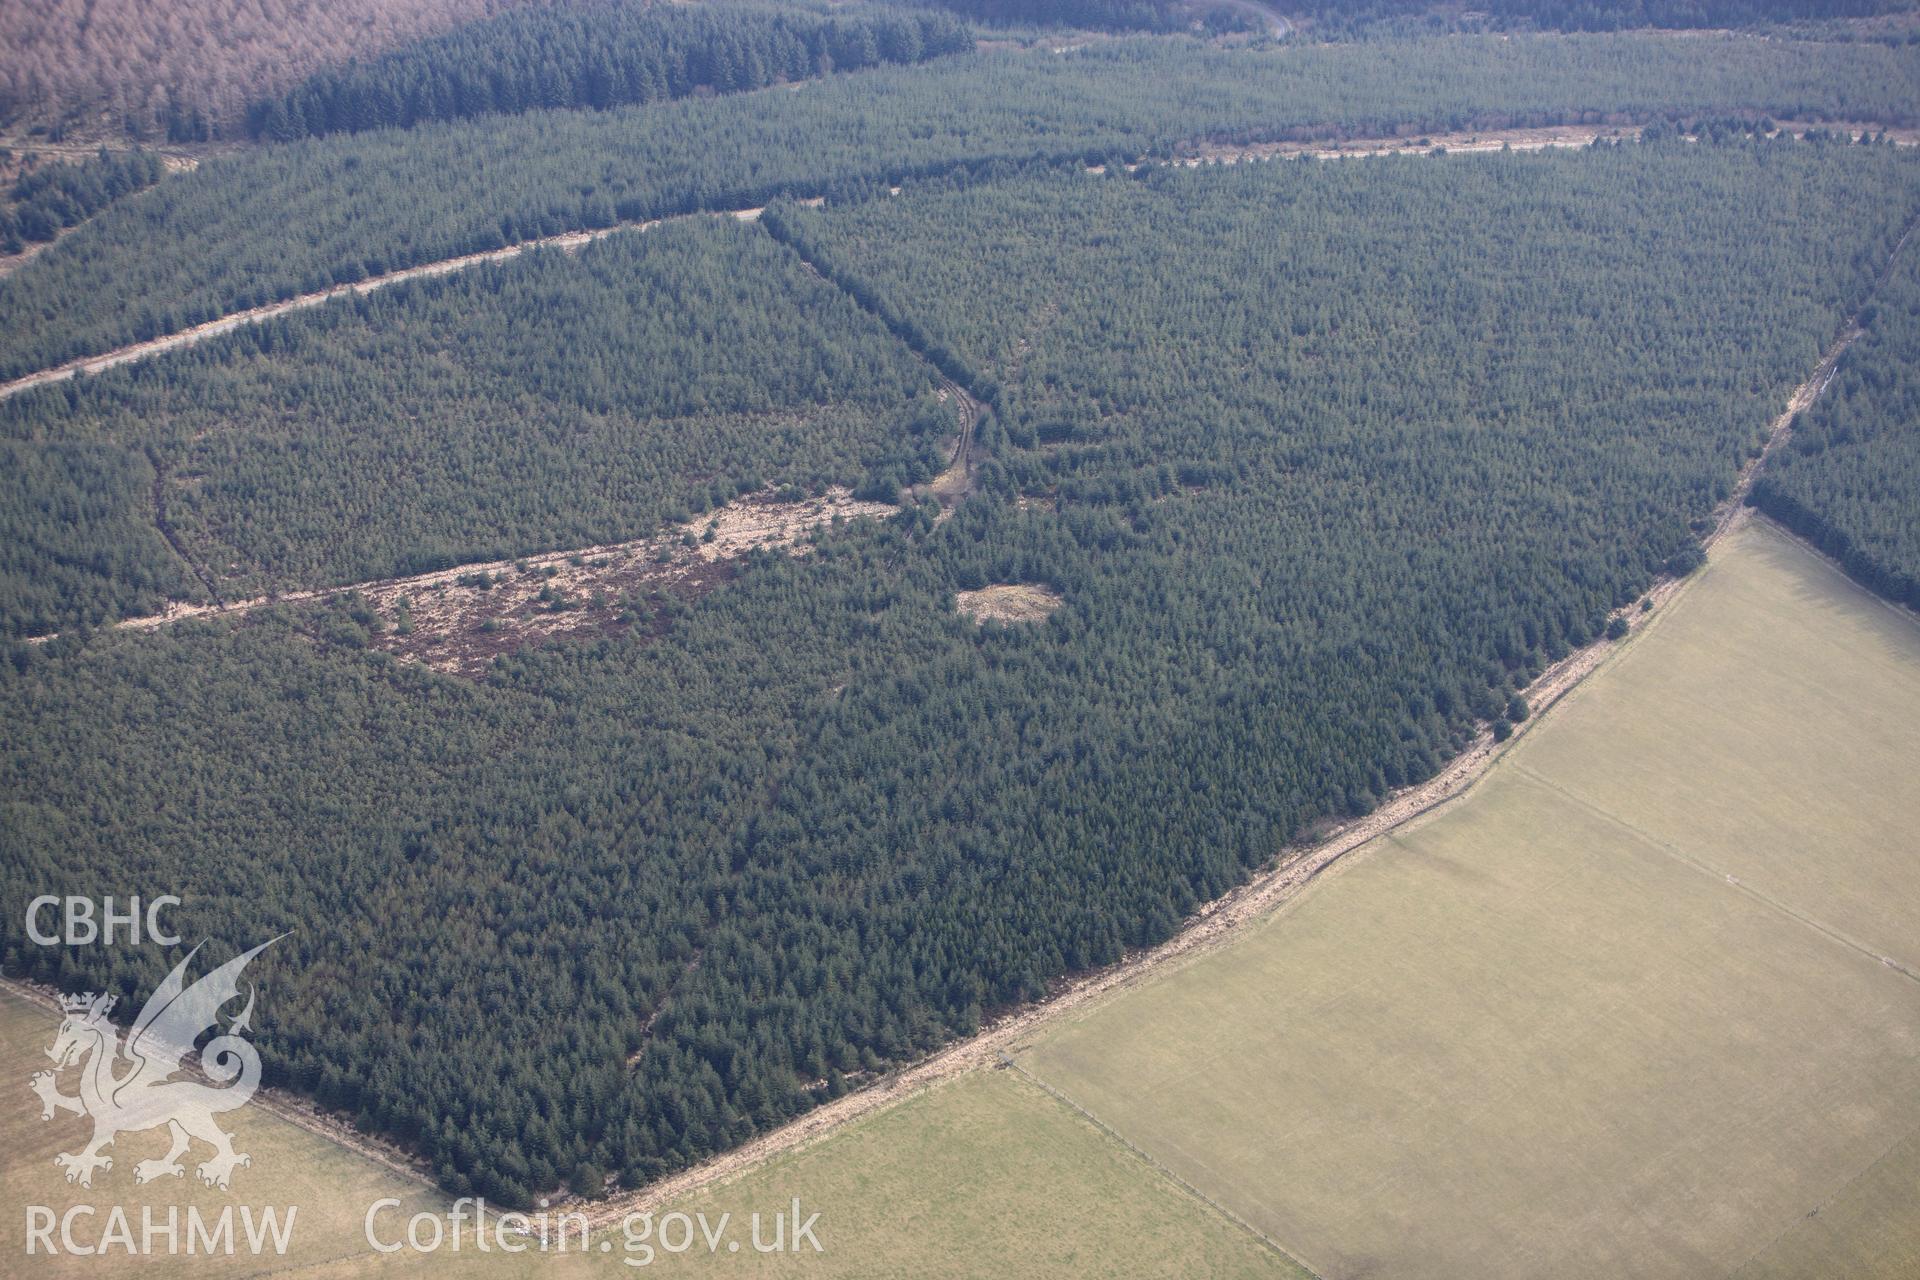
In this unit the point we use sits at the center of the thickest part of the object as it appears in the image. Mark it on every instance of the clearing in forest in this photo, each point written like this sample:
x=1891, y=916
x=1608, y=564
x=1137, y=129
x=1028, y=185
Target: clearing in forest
x=1008, y=602
x=459, y=620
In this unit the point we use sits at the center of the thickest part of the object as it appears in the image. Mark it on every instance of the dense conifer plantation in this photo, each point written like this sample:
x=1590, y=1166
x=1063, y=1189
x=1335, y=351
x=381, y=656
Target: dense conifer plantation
x=555, y=400
x=49, y=198
x=1849, y=479
x=78, y=541
x=1098, y=15
x=1323, y=460
x=279, y=221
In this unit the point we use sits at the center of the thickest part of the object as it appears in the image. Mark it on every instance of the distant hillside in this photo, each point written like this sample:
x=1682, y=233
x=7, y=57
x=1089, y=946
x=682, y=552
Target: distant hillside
x=186, y=69
x=1586, y=15
x=600, y=56
x=1335, y=17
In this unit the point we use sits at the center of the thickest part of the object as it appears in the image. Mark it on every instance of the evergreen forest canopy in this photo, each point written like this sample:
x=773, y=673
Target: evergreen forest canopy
x=556, y=400
x=1620, y=15
x=1325, y=461
x=217, y=240
x=1849, y=478
x=48, y=198
x=1094, y=15
x=600, y=55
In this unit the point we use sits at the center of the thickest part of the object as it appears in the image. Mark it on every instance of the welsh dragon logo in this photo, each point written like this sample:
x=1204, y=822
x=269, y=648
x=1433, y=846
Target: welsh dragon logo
x=128, y=1087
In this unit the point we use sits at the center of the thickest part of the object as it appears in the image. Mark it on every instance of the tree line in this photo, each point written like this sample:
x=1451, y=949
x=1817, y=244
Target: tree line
x=598, y=56
x=1848, y=479
x=48, y=198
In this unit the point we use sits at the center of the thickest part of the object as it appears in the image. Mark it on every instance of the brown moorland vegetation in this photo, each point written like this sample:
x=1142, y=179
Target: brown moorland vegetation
x=108, y=65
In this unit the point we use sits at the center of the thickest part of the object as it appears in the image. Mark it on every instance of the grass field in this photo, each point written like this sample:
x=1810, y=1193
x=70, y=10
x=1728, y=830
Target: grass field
x=1542, y=1032
x=1791, y=699
x=330, y=1186
x=985, y=1177
x=1869, y=1229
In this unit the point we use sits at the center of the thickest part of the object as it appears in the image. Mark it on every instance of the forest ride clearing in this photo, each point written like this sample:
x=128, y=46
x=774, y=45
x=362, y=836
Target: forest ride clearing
x=1480, y=141
x=457, y=620
x=566, y=240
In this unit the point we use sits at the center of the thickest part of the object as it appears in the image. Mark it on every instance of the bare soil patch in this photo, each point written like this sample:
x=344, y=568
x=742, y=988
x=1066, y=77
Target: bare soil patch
x=1009, y=602
x=458, y=620
x=1485, y=140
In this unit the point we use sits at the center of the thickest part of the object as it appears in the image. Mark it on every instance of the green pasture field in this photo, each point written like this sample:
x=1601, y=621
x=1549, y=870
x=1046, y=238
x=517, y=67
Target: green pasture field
x=987, y=1176
x=1790, y=698
x=1543, y=1032
x=329, y=1186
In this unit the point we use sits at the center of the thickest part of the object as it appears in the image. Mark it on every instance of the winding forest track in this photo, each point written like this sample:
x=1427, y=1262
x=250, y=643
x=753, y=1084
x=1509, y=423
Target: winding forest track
x=956, y=482
x=969, y=411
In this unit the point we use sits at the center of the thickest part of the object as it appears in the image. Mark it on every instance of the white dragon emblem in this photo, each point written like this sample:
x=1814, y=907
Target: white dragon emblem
x=129, y=1087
